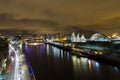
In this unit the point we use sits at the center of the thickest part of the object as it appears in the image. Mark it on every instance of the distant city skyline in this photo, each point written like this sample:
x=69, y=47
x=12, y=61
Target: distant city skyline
x=54, y=16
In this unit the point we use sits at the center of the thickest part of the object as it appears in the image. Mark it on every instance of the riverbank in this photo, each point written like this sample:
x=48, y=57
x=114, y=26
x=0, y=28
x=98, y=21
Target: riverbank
x=25, y=75
x=101, y=58
x=32, y=76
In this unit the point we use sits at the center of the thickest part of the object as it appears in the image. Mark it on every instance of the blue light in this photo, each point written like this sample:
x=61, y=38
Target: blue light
x=116, y=69
x=27, y=48
x=97, y=64
x=28, y=63
x=30, y=70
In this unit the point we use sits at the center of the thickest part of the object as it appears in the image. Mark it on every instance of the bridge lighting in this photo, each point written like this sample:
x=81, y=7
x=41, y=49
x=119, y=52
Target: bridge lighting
x=115, y=35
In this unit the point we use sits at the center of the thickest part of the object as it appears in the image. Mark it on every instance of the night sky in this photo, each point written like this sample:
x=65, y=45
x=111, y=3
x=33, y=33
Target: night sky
x=60, y=15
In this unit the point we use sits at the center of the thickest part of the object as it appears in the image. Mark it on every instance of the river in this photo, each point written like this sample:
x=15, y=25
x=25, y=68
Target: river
x=51, y=63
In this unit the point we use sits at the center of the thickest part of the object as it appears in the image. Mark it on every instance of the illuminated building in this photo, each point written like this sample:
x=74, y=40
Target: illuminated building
x=77, y=38
x=73, y=37
x=82, y=39
x=99, y=37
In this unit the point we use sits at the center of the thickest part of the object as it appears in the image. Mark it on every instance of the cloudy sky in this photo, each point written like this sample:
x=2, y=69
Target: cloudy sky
x=60, y=15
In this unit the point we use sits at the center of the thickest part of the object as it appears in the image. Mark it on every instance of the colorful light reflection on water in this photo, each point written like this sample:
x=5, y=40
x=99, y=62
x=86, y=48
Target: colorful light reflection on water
x=50, y=63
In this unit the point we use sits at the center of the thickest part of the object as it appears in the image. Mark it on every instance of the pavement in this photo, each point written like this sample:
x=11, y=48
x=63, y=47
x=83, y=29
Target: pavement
x=24, y=69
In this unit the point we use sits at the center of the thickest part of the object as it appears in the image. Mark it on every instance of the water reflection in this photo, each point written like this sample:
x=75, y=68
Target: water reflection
x=84, y=66
x=28, y=49
x=48, y=50
x=61, y=54
x=116, y=69
x=68, y=55
x=90, y=65
x=56, y=52
x=51, y=63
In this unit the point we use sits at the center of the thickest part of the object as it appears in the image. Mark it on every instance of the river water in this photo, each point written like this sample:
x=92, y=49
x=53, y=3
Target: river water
x=51, y=63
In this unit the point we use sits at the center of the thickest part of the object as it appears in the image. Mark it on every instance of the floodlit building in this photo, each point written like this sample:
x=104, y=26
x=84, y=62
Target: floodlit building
x=82, y=39
x=77, y=38
x=73, y=37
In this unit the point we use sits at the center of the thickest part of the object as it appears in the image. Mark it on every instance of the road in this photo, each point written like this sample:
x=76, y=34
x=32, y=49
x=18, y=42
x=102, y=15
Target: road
x=19, y=69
